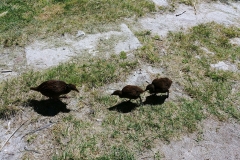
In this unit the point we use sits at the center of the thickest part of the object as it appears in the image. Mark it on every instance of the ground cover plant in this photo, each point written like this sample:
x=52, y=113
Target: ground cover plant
x=186, y=60
x=23, y=20
x=209, y=94
x=92, y=73
x=215, y=89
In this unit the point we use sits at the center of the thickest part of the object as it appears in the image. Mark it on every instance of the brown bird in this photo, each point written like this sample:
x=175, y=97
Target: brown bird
x=130, y=92
x=54, y=88
x=159, y=85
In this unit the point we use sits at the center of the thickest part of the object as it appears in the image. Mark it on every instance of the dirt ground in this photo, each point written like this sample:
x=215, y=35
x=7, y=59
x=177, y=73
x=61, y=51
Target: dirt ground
x=216, y=141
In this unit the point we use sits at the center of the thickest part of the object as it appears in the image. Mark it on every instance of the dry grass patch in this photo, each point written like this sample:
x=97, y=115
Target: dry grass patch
x=49, y=12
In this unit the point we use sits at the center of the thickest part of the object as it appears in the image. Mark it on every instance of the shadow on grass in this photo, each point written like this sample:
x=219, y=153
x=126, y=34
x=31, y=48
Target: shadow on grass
x=124, y=107
x=155, y=100
x=48, y=107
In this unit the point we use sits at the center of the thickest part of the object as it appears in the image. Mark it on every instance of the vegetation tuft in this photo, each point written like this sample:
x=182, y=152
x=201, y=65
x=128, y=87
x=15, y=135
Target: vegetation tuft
x=213, y=88
x=90, y=72
x=186, y=60
x=198, y=92
x=23, y=20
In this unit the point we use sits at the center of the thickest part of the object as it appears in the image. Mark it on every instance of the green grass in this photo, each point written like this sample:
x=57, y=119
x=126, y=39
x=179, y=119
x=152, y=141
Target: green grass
x=23, y=20
x=117, y=153
x=90, y=72
x=137, y=130
x=149, y=52
x=207, y=92
x=211, y=87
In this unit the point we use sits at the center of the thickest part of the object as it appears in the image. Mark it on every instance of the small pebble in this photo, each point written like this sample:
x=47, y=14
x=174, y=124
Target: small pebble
x=80, y=34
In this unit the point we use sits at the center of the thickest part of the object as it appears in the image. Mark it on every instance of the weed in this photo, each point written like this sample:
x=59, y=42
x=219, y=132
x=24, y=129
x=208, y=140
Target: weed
x=123, y=55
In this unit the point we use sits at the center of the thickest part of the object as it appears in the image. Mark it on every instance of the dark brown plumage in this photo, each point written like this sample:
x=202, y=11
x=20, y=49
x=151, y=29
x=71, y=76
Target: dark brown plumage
x=130, y=92
x=159, y=85
x=54, y=88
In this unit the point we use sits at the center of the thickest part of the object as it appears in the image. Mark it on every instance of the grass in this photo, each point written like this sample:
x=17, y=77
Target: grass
x=90, y=72
x=137, y=130
x=23, y=20
x=209, y=91
x=173, y=4
x=206, y=92
x=214, y=87
x=149, y=52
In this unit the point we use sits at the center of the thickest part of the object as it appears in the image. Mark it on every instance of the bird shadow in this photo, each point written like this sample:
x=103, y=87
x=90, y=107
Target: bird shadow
x=155, y=99
x=124, y=107
x=48, y=107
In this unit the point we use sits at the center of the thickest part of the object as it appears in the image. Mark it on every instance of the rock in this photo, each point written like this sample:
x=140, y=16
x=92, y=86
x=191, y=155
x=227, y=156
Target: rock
x=224, y=66
x=80, y=34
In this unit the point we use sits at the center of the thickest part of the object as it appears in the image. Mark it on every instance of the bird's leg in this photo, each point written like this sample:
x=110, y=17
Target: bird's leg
x=64, y=97
x=56, y=98
x=141, y=103
x=167, y=93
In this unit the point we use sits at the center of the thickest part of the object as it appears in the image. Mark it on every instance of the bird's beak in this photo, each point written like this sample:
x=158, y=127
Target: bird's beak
x=76, y=90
